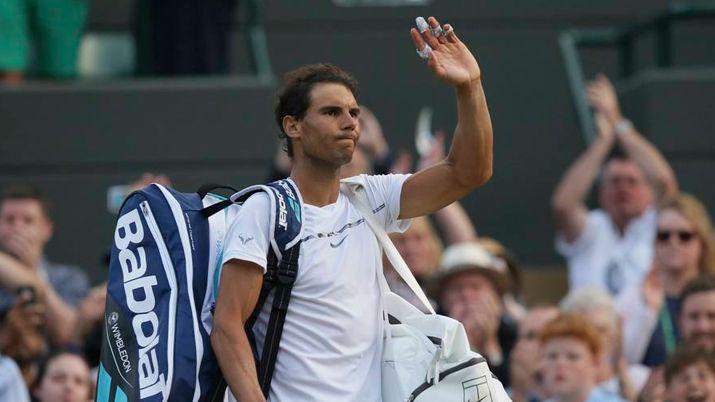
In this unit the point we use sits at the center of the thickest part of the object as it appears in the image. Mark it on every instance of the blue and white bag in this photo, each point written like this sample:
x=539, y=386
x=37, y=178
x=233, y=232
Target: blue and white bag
x=163, y=278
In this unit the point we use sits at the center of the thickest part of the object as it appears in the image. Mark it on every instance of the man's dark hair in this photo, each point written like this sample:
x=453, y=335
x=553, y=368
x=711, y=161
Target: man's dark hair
x=26, y=192
x=684, y=357
x=704, y=283
x=294, y=96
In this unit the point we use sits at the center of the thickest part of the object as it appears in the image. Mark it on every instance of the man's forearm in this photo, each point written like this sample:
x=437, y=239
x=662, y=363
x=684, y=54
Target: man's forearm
x=235, y=357
x=455, y=223
x=654, y=165
x=471, y=151
x=13, y=274
x=62, y=319
x=578, y=179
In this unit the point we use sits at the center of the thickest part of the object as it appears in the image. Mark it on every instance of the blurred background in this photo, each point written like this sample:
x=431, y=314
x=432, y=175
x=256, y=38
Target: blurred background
x=121, y=115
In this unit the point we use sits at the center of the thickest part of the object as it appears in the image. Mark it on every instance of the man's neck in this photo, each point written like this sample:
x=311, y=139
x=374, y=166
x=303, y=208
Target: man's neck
x=319, y=184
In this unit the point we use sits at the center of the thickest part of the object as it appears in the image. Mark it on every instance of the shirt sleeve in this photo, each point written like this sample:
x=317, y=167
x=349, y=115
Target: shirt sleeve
x=383, y=193
x=247, y=238
x=583, y=241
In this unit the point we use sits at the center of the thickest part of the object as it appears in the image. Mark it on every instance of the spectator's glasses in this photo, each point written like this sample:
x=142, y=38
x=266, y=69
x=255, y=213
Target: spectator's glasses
x=683, y=235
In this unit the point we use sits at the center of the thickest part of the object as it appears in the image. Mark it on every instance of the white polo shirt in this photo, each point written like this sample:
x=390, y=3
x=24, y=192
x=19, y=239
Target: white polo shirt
x=601, y=256
x=331, y=345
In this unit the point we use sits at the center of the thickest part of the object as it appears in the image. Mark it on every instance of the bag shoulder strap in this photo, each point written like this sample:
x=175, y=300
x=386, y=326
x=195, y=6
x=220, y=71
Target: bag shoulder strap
x=281, y=272
x=355, y=192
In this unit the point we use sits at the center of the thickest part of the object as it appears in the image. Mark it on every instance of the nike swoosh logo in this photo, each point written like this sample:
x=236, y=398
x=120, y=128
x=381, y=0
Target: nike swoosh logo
x=336, y=245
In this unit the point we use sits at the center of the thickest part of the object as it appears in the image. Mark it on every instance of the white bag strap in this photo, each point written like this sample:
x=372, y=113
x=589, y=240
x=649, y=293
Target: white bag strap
x=357, y=197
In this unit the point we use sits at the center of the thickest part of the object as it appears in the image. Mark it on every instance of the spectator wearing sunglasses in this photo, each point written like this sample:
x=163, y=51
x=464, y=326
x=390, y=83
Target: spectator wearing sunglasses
x=684, y=249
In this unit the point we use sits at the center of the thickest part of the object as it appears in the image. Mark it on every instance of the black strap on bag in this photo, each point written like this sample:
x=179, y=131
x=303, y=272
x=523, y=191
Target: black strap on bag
x=221, y=205
x=281, y=277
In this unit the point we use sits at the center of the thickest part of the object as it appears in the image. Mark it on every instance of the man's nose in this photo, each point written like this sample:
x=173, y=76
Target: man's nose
x=348, y=122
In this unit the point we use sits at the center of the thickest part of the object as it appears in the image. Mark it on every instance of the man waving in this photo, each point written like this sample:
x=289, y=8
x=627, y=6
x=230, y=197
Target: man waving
x=331, y=345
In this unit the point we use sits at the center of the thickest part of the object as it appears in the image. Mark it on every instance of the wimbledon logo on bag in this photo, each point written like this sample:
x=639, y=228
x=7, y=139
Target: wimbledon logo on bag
x=136, y=283
x=120, y=347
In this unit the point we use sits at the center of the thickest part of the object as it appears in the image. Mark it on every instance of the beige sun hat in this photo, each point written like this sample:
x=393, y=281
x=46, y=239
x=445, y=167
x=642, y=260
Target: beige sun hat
x=470, y=256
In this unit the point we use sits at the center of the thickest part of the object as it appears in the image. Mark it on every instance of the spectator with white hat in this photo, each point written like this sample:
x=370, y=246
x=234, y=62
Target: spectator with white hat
x=469, y=286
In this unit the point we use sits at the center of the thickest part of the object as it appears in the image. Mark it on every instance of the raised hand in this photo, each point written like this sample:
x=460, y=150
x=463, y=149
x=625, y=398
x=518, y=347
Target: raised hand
x=449, y=58
x=602, y=96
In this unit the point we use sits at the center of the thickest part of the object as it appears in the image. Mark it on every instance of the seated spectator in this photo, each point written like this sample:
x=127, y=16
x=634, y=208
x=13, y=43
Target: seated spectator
x=525, y=376
x=611, y=247
x=690, y=376
x=684, y=249
x=697, y=313
x=49, y=30
x=64, y=376
x=572, y=353
x=25, y=229
x=470, y=283
x=614, y=374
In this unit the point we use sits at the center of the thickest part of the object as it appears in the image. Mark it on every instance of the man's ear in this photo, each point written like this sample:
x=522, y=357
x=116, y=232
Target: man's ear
x=47, y=230
x=291, y=126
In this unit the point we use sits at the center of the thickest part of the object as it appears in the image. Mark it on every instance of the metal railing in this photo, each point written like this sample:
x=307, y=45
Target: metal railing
x=624, y=40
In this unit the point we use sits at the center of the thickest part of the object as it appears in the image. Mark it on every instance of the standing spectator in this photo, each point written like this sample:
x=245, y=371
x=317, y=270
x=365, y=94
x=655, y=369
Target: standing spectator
x=684, y=249
x=64, y=376
x=614, y=374
x=470, y=285
x=56, y=27
x=571, y=357
x=25, y=229
x=611, y=247
x=525, y=376
x=690, y=376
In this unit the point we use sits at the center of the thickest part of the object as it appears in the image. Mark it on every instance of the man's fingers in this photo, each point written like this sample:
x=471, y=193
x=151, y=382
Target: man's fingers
x=427, y=33
x=436, y=30
x=417, y=39
x=449, y=33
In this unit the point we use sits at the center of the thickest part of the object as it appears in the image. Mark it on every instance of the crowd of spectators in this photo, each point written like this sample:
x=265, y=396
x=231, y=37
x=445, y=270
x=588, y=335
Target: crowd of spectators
x=638, y=322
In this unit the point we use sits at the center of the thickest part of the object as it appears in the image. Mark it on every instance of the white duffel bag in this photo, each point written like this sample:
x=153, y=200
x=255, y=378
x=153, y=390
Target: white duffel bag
x=426, y=357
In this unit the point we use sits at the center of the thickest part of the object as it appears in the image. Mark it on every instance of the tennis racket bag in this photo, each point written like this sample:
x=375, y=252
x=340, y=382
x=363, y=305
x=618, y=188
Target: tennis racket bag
x=163, y=280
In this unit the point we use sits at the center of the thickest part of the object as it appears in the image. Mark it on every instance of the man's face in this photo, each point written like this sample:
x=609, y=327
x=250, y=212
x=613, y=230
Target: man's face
x=328, y=133
x=23, y=221
x=677, y=247
x=625, y=193
x=568, y=367
x=697, y=320
x=469, y=288
x=695, y=383
x=66, y=380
